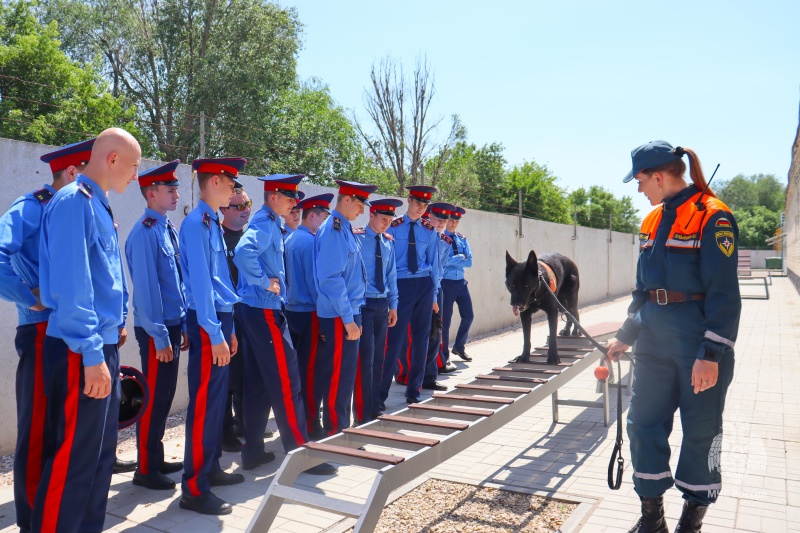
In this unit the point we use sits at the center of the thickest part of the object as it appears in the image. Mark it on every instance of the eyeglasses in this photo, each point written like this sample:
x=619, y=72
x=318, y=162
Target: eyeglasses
x=241, y=207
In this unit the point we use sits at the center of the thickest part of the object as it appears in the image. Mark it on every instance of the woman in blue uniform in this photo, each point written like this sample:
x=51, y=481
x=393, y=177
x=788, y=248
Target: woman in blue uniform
x=684, y=319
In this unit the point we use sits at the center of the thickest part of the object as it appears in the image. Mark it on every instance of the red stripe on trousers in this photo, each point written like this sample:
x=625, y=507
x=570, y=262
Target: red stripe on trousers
x=200, y=406
x=357, y=399
x=144, y=423
x=311, y=404
x=338, y=339
x=58, y=476
x=34, y=467
x=283, y=376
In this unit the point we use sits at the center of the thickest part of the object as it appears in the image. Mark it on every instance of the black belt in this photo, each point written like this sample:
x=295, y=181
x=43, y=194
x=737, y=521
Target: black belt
x=664, y=297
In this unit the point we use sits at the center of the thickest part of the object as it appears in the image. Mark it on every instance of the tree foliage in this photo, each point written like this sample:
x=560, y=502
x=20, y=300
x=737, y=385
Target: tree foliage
x=756, y=202
x=593, y=208
x=756, y=225
x=45, y=97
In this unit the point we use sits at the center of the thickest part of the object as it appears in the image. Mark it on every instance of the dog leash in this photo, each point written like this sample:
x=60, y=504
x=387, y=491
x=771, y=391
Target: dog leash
x=614, y=482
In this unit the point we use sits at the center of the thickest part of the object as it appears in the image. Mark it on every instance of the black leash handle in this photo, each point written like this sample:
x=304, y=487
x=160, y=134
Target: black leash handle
x=616, y=455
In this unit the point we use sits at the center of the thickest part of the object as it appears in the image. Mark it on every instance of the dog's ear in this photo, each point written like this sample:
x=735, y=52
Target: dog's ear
x=510, y=262
x=533, y=263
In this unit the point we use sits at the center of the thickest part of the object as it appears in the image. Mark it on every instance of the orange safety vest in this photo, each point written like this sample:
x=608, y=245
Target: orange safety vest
x=551, y=276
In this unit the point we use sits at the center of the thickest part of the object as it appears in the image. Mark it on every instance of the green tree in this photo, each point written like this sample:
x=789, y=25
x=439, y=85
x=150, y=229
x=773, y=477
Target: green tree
x=456, y=175
x=595, y=205
x=743, y=192
x=44, y=96
x=756, y=225
x=490, y=165
x=542, y=198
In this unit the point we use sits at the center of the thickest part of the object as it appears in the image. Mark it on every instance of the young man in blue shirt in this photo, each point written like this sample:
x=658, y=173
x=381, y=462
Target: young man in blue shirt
x=456, y=291
x=210, y=298
x=159, y=314
x=82, y=281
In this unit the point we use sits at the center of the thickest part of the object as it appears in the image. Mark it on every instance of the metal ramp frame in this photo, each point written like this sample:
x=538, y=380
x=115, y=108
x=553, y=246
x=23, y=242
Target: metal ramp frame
x=450, y=422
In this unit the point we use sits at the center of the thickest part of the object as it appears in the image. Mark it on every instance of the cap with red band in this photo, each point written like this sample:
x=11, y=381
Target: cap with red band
x=423, y=193
x=286, y=184
x=73, y=154
x=458, y=213
x=225, y=166
x=322, y=201
x=384, y=206
x=163, y=175
x=442, y=210
x=359, y=191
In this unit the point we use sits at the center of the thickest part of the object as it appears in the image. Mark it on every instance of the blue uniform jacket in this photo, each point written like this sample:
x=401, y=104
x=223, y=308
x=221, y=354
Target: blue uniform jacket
x=427, y=249
x=340, y=274
x=81, y=276
x=19, y=253
x=259, y=256
x=206, y=277
x=455, y=266
x=158, y=299
x=709, y=268
x=302, y=293
x=368, y=244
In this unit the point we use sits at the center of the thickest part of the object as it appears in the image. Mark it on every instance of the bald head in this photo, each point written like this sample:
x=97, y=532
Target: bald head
x=115, y=160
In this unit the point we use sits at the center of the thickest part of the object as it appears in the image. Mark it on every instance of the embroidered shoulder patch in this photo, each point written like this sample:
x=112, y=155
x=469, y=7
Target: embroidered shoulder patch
x=207, y=220
x=425, y=224
x=723, y=223
x=43, y=195
x=337, y=223
x=359, y=231
x=725, y=242
x=148, y=222
x=446, y=239
x=272, y=216
x=461, y=235
x=644, y=236
x=86, y=190
x=388, y=236
x=396, y=222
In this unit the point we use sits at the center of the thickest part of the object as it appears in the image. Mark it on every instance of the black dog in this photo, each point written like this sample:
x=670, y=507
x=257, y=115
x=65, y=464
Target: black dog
x=526, y=283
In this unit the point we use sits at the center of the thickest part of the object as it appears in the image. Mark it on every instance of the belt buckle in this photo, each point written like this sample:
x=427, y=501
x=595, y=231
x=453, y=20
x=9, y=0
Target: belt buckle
x=659, y=292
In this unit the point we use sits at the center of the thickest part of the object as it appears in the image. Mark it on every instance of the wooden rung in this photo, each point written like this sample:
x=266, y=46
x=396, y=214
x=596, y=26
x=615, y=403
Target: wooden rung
x=460, y=426
x=353, y=452
x=603, y=328
x=526, y=370
x=512, y=390
x=445, y=409
x=512, y=378
x=569, y=353
x=394, y=437
x=482, y=399
x=545, y=363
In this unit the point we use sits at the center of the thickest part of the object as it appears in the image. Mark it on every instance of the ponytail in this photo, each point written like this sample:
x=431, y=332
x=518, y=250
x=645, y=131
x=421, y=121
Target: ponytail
x=695, y=170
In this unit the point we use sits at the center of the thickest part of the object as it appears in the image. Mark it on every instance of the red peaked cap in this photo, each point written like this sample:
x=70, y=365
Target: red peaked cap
x=359, y=191
x=163, y=175
x=442, y=209
x=423, y=193
x=286, y=184
x=73, y=154
x=385, y=206
x=321, y=200
x=458, y=213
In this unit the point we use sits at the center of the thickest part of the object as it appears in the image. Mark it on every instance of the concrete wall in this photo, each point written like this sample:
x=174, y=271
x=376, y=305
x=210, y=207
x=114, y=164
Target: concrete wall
x=607, y=268
x=792, y=216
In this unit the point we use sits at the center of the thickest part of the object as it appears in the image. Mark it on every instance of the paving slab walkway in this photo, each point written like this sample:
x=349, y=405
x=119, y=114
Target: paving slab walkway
x=761, y=451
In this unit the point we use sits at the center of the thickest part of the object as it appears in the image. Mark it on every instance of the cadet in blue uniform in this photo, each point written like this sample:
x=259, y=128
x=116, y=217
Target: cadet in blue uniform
x=19, y=283
x=292, y=221
x=341, y=292
x=210, y=298
x=380, y=310
x=439, y=214
x=456, y=291
x=81, y=280
x=301, y=305
x=684, y=319
x=159, y=314
x=416, y=249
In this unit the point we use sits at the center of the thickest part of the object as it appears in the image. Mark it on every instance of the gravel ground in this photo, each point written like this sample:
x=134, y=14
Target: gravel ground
x=444, y=507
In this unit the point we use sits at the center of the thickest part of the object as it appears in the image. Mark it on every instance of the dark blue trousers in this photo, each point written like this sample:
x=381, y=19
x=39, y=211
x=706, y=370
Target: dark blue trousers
x=371, y=353
x=162, y=379
x=304, y=330
x=434, y=350
x=81, y=441
x=414, y=308
x=208, y=391
x=31, y=417
x=662, y=384
x=272, y=379
x=233, y=409
x=336, y=373
x=456, y=292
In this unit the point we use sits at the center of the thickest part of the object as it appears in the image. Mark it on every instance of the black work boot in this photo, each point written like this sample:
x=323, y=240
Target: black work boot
x=652, y=519
x=691, y=518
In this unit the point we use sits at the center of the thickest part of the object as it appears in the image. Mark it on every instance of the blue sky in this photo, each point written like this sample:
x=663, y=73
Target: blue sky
x=577, y=85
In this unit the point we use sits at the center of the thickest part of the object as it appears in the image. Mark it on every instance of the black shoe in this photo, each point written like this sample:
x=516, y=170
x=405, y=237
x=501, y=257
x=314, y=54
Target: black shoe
x=462, y=355
x=381, y=407
x=691, y=518
x=205, y=504
x=434, y=386
x=268, y=434
x=231, y=444
x=156, y=481
x=238, y=431
x=652, y=519
x=121, y=466
x=170, y=468
x=410, y=400
x=448, y=368
x=322, y=469
x=262, y=459
x=221, y=479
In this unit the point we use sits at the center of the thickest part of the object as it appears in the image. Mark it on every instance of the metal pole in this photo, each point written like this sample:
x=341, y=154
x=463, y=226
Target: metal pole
x=519, y=195
x=610, y=225
x=574, y=222
x=202, y=134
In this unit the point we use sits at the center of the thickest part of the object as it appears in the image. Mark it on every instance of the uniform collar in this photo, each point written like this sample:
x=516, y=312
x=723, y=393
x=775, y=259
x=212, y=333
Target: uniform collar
x=97, y=192
x=207, y=209
x=345, y=222
x=271, y=214
x=408, y=219
x=301, y=227
x=369, y=231
x=156, y=215
x=49, y=188
x=676, y=201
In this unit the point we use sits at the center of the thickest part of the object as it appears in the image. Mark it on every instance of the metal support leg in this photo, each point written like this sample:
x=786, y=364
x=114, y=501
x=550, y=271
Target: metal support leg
x=555, y=406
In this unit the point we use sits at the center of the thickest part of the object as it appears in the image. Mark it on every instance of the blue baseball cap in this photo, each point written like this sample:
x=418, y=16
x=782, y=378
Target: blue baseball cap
x=651, y=155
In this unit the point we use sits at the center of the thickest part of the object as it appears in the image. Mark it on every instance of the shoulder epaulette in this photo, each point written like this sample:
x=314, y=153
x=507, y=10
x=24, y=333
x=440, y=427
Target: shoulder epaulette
x=359, y=231
x=425, y=224
x=272, y=216
x=207, y=220
x=446, y=239
x=461, y=235
x=148, y=222
x=43, y=195
x=388, y=236
x=396, y=222
x=85, y=189
x=337, y=223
